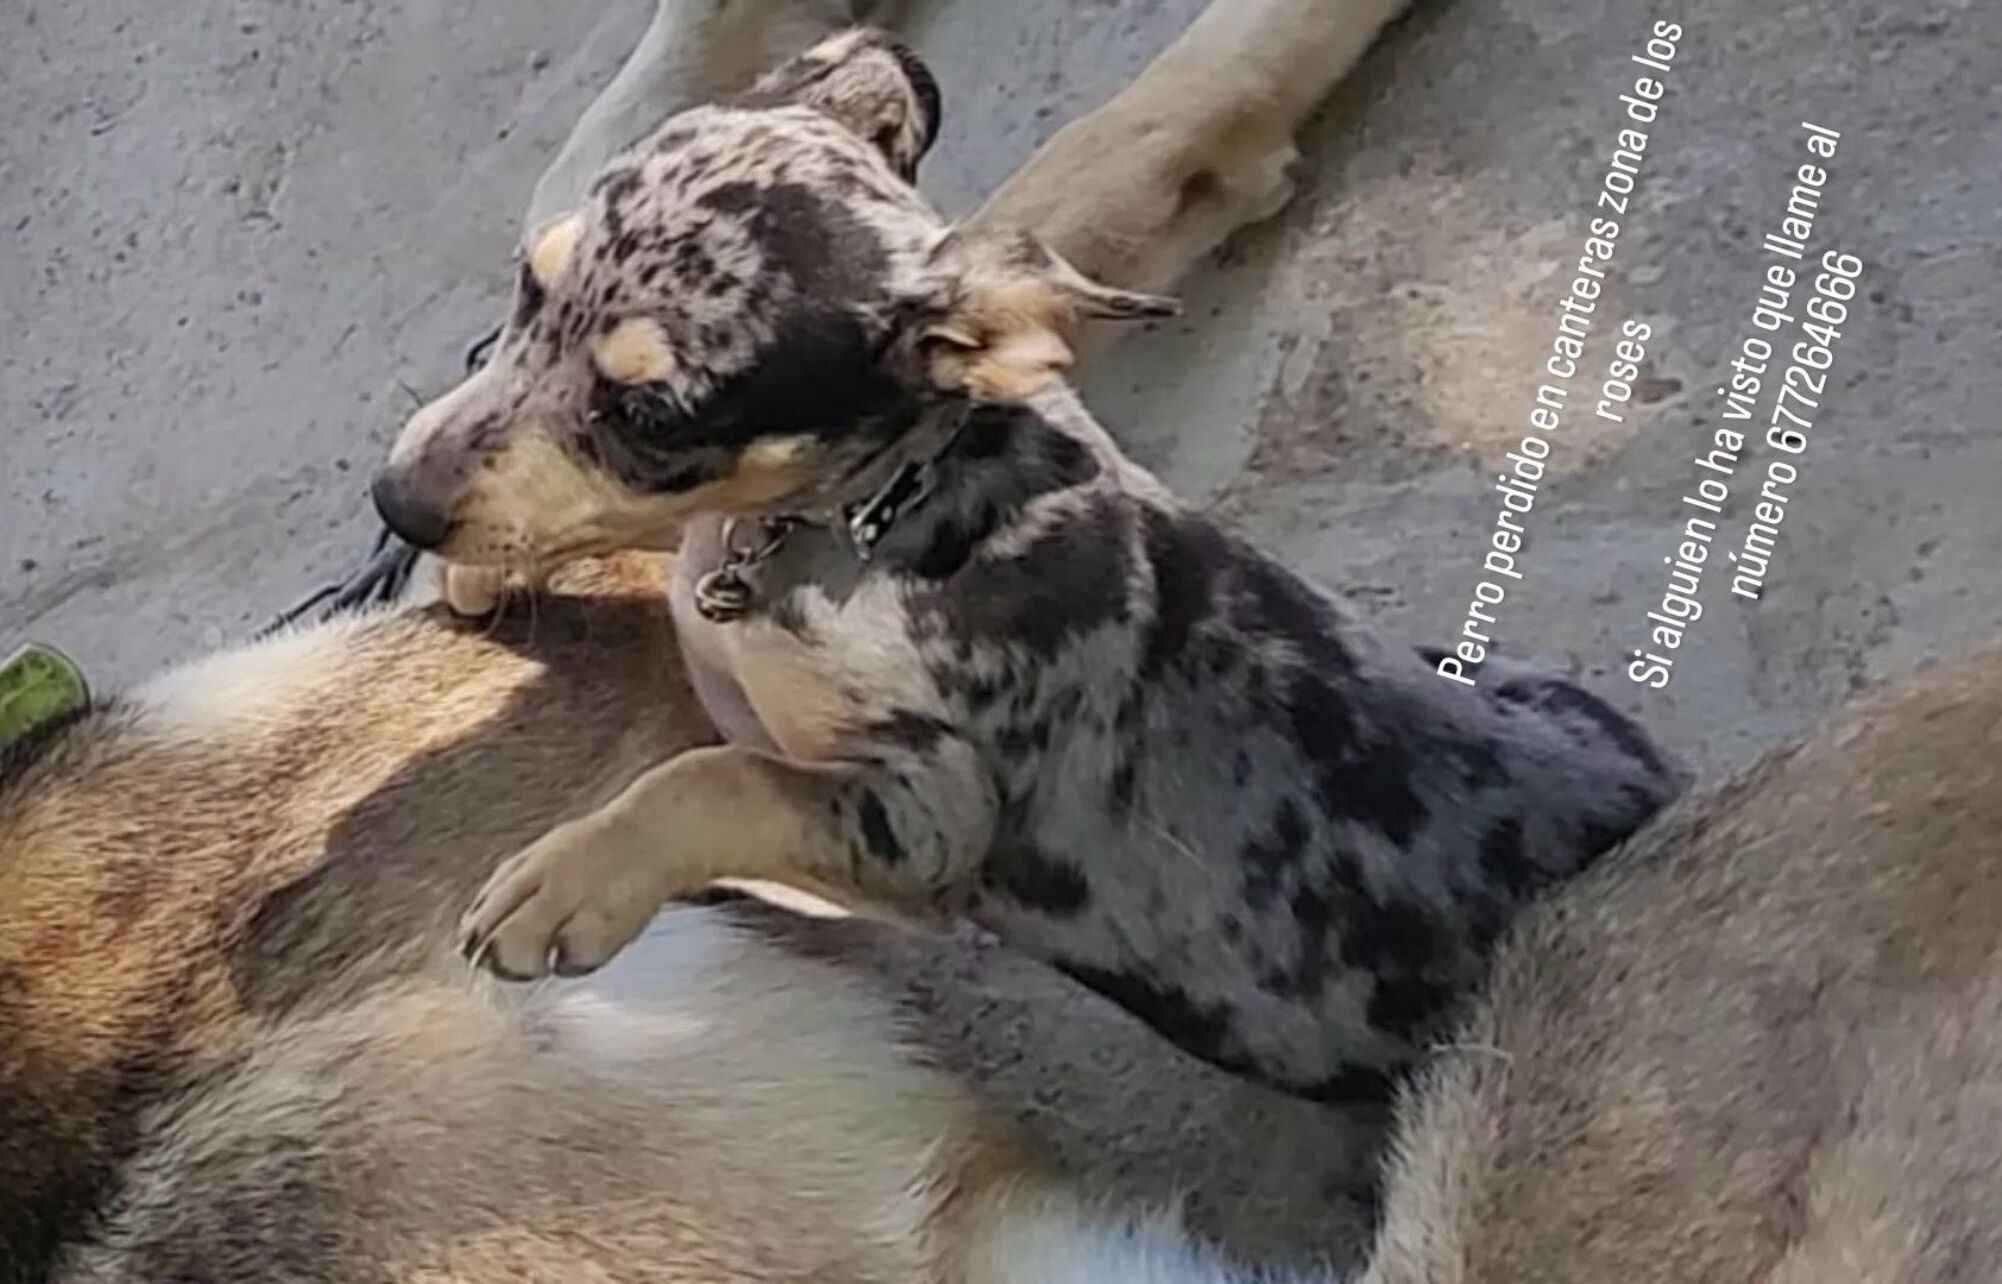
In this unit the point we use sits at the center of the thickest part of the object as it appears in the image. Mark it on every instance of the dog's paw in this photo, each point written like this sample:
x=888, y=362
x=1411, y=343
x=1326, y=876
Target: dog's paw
x=563, y=906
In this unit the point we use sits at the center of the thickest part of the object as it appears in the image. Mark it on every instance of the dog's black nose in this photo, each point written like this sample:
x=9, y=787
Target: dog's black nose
x=419, y=523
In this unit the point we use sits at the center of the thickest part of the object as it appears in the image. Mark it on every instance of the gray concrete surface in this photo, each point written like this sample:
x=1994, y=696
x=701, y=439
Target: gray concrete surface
x=243, y=239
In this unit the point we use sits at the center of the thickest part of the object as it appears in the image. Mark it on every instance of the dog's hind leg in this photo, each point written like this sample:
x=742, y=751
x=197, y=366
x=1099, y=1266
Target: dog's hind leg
x=1200, y=144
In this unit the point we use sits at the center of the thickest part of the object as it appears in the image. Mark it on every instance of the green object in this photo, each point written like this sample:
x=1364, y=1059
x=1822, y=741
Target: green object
x=37, y=683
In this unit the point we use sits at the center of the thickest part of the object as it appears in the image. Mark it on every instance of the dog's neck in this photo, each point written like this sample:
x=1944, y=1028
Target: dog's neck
x=889, y=492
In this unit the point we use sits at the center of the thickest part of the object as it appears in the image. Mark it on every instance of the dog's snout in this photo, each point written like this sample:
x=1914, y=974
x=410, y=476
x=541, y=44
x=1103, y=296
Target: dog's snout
x=415, y=519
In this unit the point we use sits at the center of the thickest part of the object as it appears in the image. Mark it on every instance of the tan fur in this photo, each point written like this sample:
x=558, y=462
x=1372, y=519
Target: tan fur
x=1007, y=341
x=1763, y=1044
x=591, y=885
x=636, y=351
x=552, y=247
x=533, y=487
x=1199, y=144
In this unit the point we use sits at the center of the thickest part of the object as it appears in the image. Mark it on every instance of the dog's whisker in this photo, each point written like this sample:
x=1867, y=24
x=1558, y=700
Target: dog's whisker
x=1181, y=848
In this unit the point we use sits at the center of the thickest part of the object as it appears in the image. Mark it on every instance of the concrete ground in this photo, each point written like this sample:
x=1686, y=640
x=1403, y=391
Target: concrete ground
x=245, y=239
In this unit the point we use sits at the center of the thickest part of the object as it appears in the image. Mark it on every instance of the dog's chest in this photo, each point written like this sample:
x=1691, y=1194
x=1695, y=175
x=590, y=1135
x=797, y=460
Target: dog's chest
x=767, y=687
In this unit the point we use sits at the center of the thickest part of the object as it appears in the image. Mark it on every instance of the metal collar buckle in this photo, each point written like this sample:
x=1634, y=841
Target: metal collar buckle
x=870, y=520
x=723, y=595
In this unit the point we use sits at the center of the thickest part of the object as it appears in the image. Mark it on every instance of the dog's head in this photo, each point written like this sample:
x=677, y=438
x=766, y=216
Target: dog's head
x=752, y=306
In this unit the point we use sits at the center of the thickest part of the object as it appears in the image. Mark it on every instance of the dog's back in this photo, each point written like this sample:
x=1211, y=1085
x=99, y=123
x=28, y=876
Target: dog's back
x=1762, y=1044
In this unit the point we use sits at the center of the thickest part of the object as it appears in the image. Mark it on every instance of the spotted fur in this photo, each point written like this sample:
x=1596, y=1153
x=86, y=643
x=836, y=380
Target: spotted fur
x=1051, y=698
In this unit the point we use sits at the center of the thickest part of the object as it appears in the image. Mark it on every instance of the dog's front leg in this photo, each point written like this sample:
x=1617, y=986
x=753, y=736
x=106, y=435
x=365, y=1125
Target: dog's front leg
x=900, y=835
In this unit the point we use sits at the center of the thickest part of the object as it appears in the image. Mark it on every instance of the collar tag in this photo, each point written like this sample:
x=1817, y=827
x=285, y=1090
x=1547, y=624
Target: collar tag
x=723, y=594
x=37, y=684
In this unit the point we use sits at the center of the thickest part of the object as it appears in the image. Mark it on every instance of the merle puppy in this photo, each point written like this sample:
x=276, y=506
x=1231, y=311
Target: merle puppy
x=965, y=657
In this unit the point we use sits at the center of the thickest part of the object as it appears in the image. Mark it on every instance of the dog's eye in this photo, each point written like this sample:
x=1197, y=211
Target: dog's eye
x=635, y=408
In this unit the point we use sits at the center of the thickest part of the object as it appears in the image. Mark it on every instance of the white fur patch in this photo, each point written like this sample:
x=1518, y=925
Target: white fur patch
x=265, y=683
x=1051, y=1240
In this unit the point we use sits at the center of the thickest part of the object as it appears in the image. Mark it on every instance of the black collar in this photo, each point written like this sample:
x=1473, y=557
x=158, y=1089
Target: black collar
x=723, y=594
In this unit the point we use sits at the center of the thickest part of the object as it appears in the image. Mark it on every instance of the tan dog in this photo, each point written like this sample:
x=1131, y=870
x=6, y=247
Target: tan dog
x=1763, y=1043
x=235, y=1045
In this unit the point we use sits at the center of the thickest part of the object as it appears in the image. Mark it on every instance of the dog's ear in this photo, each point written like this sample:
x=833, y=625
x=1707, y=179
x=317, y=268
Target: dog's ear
x=1011, y=307
x=869, y=82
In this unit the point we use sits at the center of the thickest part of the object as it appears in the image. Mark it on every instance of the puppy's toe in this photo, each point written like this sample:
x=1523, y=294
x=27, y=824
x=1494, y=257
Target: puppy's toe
x=512, y=926
x=513, y=883
x=566, y=905
x=590, y=937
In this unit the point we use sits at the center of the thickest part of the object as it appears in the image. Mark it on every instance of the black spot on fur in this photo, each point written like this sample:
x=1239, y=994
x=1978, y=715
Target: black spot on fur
x=529, y=297
x=1354, y=1085
x=1124, y=783
x=673, y=138
x=1313, y=963
x=1366, y=779
x=1404, y=1005
x=1017, y=741
x=613, y=189
x=1036, y=880
x=1600, y=834
x=951, y=542
x=819, y=245
x=1479, y=762
x=1007, y=455
x=909, y=731
x=1197, y=1028
x=1070, y=582
x=1040, y=457
x=1269, y=601
x=1271, y=857
x=1560, y=698
x=1186, y=556
x=877, y=833
x=1503, y=859
x=1392, y=936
